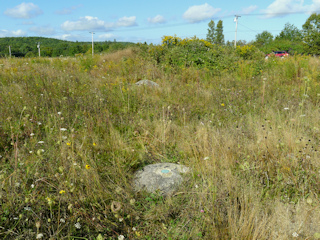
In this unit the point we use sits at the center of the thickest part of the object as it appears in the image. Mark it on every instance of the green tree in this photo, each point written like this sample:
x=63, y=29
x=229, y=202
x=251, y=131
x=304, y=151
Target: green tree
x=290, y=32
x=263, y=39
x=311, y=34
x=219, y=37
x=211, y=32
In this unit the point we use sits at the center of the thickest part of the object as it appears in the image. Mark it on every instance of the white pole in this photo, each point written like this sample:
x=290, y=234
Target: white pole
x=235, y=39
x=92, y=44
x=38, y=46
x=10, y=51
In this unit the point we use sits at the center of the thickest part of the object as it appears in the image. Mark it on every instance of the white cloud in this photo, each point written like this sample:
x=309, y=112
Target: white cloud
x=94, y=24
x=46, y=30
x=281, y=8
x=107, y=36
x=126, y=22
x=24, y=10
x=249, y=9
x=199, y=13
x=67, y=11
x=17, y=33
x=84, y=23
x=157, y=19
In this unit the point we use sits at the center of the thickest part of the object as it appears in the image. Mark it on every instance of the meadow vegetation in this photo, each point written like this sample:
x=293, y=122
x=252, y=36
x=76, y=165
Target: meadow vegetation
x=73, y=131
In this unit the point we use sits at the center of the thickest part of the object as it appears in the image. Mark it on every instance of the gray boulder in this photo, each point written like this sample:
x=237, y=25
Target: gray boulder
x=162, y=177
x=146, y=82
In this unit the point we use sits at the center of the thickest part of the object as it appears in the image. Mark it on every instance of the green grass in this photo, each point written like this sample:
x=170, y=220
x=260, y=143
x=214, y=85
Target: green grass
x=73, y=132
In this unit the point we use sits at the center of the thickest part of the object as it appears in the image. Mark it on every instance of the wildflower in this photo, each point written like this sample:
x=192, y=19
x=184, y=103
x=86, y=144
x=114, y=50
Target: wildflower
x=286, y=108
x=120, y=219
x=27, y=208
x=30, y=152
x=134, y=229
x=132, y=201
x=39, y=236
x=62, y=220
x=77, y=225
x=31, y=134
x=120, y=237
x=63, y=129
x=59, y=113
x=32, y=185
x=295, y=234
x=202, y=210
x=62, y=192
x=222, y=104
x=39, y=123
x=68, y=143
x=138, y=234
x=206, y=158
x=38, y=224
x=94, y=144
x=88, y=166
x=41, y=142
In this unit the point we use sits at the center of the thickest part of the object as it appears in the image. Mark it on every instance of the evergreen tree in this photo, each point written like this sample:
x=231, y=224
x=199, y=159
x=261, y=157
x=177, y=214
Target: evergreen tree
x=219, y=37
x=211, y=32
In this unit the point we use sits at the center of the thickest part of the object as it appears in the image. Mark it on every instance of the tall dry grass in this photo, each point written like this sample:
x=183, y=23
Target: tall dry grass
x=74, y=131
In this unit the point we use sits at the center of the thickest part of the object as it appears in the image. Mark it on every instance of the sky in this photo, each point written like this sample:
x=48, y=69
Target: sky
x=148, y=21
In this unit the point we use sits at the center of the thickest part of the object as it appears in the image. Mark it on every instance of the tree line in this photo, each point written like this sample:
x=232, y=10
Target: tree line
x=50, y=47
x=291, y=39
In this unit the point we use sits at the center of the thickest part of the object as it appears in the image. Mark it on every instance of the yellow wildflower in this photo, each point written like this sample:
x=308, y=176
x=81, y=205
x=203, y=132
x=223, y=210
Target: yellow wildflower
x=62, y=192
x=68, y=143
x=88, y=166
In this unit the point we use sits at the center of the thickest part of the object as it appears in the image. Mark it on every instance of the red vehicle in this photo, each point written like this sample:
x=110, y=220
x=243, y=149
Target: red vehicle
x=278, y=54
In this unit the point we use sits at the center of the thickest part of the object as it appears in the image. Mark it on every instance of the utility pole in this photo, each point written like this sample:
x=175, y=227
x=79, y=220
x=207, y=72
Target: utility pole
x=38, y=46
x=10, y=51
x=92, y=44
x=236, y=20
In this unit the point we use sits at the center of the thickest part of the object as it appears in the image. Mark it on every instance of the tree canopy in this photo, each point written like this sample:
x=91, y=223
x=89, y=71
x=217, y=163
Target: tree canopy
x=311, y=34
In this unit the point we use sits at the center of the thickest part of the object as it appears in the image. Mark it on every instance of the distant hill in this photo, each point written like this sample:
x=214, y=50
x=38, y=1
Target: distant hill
x=51, y=47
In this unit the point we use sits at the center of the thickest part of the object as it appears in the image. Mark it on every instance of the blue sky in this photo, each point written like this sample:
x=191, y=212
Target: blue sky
x=148, y=21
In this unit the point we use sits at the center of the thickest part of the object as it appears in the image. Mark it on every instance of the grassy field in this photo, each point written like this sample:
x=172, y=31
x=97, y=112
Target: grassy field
x=73, y=132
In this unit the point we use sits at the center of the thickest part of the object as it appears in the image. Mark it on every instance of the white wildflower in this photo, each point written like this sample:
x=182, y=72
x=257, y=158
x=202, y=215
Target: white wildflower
x=120, y=237
x=78, y=225
x=59, y=113
x=32, y=185
x=41, y=142
x=31, y=134
x=63, y=129
x=286, y=108
x=39, y=236
x=62, y=220
x=295, y=234
x=206, y=158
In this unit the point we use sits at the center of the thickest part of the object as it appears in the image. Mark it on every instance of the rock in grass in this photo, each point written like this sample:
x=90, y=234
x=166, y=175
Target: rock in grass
x=146, y=82
x=162, y=177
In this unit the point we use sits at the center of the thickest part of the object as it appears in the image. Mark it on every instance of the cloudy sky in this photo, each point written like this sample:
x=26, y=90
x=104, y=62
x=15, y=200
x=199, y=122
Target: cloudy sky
x=148, y=21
